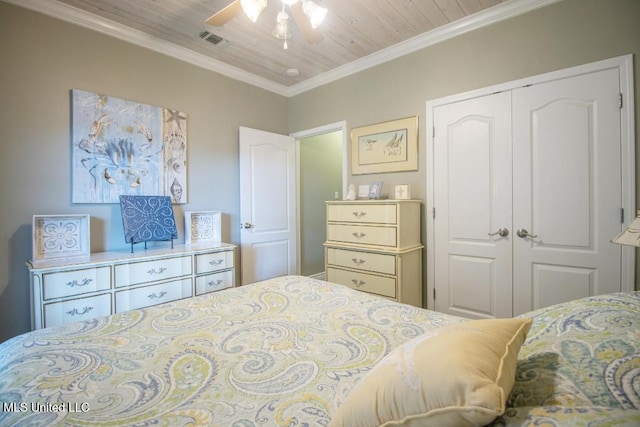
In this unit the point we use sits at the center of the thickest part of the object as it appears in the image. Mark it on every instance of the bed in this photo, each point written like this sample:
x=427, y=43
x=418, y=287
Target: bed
x=291, y=351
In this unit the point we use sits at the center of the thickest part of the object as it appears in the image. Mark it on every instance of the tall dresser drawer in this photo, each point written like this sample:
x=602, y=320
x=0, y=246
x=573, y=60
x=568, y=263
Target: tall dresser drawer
x=385, y=286
x=76, y=282
x=152, y=295
x=59, y=313
x=362, y=234
x=206, y=263
x=214, y=282
x=362, y=213
x=358, y=260
x=150, y=271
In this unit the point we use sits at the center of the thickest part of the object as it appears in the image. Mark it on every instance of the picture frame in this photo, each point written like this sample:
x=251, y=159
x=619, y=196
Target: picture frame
x=152, y=139
x=385, y=147
x=202, y=227
x=363, y=191
x=402, y=192
x=374, y=189
x=60, y=237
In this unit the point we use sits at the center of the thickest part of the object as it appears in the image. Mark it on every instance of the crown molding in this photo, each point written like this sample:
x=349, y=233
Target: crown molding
x=73, y=15
x=108, y=27
x=500, y=12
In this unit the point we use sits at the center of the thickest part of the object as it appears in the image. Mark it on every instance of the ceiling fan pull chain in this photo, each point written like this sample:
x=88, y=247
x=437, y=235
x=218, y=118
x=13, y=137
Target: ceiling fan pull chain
x=286, y=29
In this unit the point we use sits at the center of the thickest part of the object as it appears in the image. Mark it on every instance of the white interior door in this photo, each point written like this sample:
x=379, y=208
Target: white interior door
x=267, y=205
x=472, y=197
x=567, y=189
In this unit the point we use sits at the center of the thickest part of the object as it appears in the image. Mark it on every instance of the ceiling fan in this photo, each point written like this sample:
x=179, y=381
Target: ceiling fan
x=306, y=13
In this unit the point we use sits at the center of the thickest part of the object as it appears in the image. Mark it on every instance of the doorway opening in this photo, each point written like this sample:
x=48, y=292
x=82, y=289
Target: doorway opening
x=322, y=175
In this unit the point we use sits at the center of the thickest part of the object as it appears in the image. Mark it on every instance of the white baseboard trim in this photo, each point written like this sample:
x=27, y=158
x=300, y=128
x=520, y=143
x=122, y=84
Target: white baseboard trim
x=319, y=276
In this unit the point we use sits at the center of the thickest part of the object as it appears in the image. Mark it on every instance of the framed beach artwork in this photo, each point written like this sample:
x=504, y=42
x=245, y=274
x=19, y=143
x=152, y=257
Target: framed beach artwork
x=125, y=148
x=385, y=147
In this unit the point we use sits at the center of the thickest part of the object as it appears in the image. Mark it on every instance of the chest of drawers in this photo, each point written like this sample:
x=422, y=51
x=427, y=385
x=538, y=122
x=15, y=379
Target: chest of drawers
x=374, y=246
x=64, y=291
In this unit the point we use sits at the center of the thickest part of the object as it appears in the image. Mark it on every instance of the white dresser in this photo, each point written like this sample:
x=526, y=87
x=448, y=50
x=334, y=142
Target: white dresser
x=374, y=246
x=69, y=290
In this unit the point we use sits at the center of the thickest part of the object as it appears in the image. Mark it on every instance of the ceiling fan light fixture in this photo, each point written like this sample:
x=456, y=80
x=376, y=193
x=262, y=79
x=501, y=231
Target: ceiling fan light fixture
x=282, y=31
x=314, y=13
x=253, y=8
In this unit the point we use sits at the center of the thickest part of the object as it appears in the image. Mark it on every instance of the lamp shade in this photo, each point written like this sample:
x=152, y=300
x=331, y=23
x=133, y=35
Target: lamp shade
x=253, y=8
x=630, y=236
x=314, y=13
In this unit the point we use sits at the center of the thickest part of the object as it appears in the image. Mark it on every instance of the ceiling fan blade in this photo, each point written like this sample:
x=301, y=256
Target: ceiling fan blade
x=225, y=14
x=310, y=35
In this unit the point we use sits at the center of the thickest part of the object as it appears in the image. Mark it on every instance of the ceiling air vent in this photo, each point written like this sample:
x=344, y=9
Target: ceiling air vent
x=212, y=38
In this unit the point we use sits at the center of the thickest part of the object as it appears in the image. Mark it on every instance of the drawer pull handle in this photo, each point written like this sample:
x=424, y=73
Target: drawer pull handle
x=216, y=283
x=158, y=271
x=358, y=261
x=359, y=235
x=216, y=261
x=157, y=296
x=84, y=282
x=359, y=215
x=75, y=311
x=358, y=283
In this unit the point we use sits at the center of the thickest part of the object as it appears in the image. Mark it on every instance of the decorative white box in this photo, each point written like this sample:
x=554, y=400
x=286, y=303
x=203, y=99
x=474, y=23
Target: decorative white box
x=60, y=236
x=202, y=227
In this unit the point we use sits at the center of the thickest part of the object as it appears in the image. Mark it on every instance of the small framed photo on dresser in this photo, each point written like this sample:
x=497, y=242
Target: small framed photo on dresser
x=402, y=192
x=374, y=189
x=363, y=191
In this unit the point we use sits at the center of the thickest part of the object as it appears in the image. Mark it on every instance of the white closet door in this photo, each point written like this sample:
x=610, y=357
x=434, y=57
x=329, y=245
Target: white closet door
x=566, y=189
x=472, y=197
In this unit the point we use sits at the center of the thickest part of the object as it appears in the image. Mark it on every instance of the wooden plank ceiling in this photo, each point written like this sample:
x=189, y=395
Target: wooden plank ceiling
x=352, y=30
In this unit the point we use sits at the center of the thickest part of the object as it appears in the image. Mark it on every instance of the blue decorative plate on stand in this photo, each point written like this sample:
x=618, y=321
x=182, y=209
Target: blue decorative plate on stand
x=148, y=218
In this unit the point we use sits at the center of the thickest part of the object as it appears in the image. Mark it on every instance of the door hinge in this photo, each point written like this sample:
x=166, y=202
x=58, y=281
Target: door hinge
x=434, y=293
x=620, y=100
x=622, y=215
x=433, y=213
x=433, y=132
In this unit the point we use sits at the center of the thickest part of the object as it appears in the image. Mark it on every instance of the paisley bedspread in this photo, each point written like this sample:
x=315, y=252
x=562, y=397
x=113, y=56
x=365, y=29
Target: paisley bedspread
x=580, y=365
x=286, y=351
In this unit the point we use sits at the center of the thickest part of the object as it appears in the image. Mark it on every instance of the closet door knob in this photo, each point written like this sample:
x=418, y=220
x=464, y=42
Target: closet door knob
x=523, y=233
x=502, y=232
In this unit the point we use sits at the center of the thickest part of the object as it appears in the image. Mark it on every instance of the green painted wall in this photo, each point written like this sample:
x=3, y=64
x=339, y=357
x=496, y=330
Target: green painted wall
x=320, y=178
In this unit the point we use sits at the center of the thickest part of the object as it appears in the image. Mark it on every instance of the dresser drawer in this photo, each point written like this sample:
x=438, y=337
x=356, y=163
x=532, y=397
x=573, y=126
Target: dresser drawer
x=206, y=263
x=385, y=286
x=214, y=282
x=362, y=234
x=151, y=271
x=363, y=213
x=59, y=313
x=76, y=282
x=358, y=260
x=152, y=295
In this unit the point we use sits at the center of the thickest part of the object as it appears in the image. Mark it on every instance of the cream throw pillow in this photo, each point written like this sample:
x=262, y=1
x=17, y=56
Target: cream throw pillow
x=457, y=375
